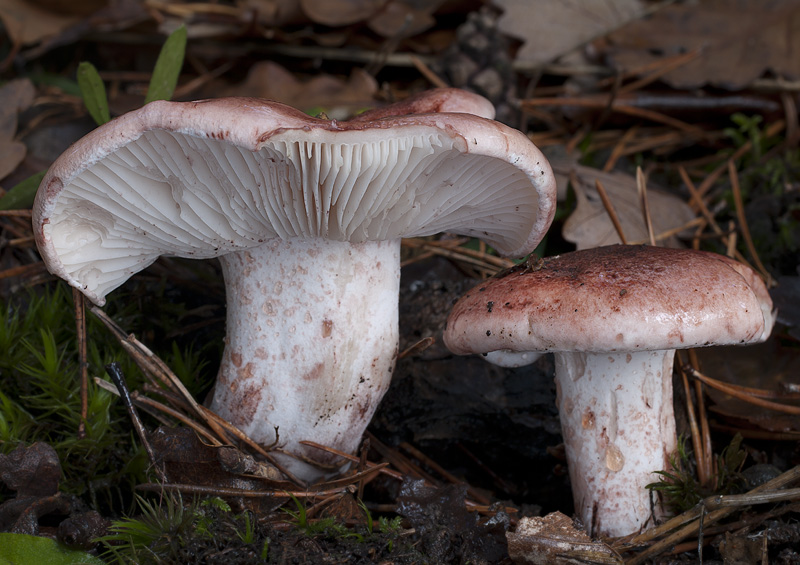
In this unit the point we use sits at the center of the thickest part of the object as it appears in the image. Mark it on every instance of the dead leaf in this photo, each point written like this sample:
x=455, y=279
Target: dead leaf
x=276, y=12
x=766, y=366
x=345, y=509
x=551, y=28
x=404, y=19
x=15, y=96
x=81, y=530
x=27, y=23
x=737, y=549
x=340, y=12
x=739, y=41
x=270, y=80
x=31, y=471
x=589, y=225
x=188, y=461
x=554, y=540
x=70, y=7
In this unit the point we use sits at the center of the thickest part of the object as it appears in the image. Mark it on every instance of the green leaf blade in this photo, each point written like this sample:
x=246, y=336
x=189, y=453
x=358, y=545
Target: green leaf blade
x=93, y=92
x=168, y=67
x=22, y=195
x=23, y=548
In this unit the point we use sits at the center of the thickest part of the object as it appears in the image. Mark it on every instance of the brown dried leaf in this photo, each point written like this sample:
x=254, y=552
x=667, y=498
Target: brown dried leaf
x=31, y=471
x=739, y=41
x=590, y=226
x=187, y=460
x=554, y=540
x=270, y=80
x=12, y=154
x=737, y=548
x=551, y=28
x=15, y=96
x=27, y=23
x=403, y=19
x=276, y=12
x=765, y=366
x=340, y=12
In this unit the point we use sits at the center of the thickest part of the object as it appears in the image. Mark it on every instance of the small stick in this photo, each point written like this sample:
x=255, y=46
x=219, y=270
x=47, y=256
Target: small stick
x=477, y=496
x=427, y=72
x=737, y=500
x=235, y=492
x=748, y=240
x=83, y=366
x=757, y=434
x=612, y=213
x=417, y=258
x=787, y=392
x=158, y=409
x=697, y=198
x=641, y=186
x=617, y=105
x=670, y=64
x=771, y=130
x=576, y=138
x=367, y=475
x=697, y=441
x=730, y=250
x=733, y=391
x=619, y=148
x=452, y=249
x=353, y=458
x=19, y=213
x=645, y=68
x=27, y=271
x=418, y=347
x=146, y=401
x=707, y=451
x=362, y=465
x=692, y=527
x=21, y=241
x=694, y=222
x=400, y=461
x=116, y=375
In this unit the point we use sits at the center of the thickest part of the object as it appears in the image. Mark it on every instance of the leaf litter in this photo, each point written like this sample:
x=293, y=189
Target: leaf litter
x=394, y=57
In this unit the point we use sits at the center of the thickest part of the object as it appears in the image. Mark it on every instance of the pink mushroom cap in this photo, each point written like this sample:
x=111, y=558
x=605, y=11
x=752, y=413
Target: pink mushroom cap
x=614, y=316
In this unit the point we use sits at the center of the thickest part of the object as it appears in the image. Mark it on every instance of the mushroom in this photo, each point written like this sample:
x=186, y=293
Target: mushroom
x=306, y=217
x=613, y=316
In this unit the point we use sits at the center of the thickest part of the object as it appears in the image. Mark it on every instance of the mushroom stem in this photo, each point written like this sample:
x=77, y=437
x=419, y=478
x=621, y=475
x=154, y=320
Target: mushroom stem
x=312, y=334
x=618, y=425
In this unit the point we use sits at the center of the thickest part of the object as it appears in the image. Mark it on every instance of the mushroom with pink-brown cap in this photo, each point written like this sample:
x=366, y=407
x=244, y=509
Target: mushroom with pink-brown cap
x=614, y=316
x=306, y=216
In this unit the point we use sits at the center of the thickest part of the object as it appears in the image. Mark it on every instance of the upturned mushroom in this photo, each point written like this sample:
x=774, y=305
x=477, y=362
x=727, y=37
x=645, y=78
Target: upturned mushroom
x=614, y=316
x=306, y=217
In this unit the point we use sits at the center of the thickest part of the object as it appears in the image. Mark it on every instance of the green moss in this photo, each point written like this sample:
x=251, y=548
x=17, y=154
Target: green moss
x=40, y=396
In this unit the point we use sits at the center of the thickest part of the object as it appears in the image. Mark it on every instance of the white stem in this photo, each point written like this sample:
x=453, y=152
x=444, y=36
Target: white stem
x=618, y=425
x=312, y=337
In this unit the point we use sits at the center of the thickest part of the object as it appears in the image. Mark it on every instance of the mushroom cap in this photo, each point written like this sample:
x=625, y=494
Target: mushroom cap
x=613, y=299
x=202, y=179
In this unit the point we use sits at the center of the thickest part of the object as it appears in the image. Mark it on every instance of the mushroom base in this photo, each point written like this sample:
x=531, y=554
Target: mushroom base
x=619, y=427
x=312, y=337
